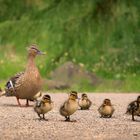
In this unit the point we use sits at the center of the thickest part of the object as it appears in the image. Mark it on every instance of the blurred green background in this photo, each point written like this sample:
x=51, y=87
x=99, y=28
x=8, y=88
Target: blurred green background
x=102, y=37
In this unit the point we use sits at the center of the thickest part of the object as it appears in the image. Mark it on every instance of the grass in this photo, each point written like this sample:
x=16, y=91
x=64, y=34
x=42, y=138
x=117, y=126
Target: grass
x=101, y=36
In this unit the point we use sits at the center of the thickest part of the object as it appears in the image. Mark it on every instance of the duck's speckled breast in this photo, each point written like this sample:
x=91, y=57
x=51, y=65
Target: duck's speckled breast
x=31, y=84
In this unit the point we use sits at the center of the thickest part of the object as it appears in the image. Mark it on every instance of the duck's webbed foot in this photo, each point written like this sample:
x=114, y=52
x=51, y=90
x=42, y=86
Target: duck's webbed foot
x=67, y=118
x=44, y=118
x=27, y=103
x=40, y=118
x=101, y=116
x=109, y=116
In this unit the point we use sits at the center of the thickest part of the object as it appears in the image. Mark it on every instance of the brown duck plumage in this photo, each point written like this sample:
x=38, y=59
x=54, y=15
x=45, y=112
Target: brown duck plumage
x=26, y=85
x=134, y=108
x=84, y=102
x=43, y=106
x=106, y=109
x=70, y=106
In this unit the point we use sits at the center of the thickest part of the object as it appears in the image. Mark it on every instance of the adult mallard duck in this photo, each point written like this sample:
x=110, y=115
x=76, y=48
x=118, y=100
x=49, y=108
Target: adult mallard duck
x=106, y=109
x=70, y=106
x=25, y=85
x=84, y=102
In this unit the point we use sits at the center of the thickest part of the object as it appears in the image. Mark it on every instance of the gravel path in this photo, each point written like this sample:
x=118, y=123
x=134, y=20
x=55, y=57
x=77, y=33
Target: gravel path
x=18, y=123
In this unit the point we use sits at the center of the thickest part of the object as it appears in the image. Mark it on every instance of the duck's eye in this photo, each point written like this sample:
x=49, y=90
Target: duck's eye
x=35, y=49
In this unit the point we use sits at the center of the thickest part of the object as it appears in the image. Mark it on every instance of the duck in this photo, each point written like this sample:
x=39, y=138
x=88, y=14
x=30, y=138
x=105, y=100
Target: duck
x=106, y=110
x=25, y=85
x=70, y=106
x=43, y=106
x=134, y=108
x=84, y=102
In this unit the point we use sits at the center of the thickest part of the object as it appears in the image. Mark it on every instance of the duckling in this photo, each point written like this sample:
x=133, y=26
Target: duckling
x=106, y=109
x=25, y=85
x=84, y=102
x=134, y=108
x=70, y=106
x=129, y=107
x=43, y=106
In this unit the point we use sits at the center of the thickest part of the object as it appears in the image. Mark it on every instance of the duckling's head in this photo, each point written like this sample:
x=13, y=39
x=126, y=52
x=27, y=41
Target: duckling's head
x=33, y=50
x=107, y=102
x=138, y=99
x=73, y=95
x=84, y=96
x=46, y=98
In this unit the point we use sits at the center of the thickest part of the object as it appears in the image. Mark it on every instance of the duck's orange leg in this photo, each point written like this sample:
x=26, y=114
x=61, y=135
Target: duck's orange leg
x=18, y=101
x=27, y=103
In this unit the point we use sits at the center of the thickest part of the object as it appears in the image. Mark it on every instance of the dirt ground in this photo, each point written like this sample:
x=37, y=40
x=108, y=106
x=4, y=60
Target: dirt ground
x=20, y=123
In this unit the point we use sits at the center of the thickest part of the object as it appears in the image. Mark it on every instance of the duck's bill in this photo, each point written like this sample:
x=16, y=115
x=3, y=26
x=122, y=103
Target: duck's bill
x=41, y=53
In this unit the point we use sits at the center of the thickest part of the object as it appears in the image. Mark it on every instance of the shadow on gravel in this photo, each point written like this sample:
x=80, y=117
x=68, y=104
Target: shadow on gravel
x=136, y=121
x=69, y=121
x=13, y=105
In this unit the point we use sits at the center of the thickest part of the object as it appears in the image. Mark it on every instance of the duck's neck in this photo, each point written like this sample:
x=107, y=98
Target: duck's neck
x=70, y=98
x=30, y=63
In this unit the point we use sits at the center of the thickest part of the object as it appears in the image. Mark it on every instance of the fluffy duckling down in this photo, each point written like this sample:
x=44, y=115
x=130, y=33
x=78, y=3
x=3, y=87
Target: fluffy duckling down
x=106, y=110
x=43, y=106
x=134, y=108
x=70, y=106
x=84, y=102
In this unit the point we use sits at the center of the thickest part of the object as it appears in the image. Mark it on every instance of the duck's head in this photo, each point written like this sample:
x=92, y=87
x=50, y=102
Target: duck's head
x=84, y=96
x=46, y=98
x=73, y=95
x=33, y=50
x=138, y=99
x=107, y=102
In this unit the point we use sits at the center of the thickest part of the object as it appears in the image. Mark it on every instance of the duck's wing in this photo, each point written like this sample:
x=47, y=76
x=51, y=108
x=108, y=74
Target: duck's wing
x=90, y=103
x=38, y=103
x=13, y=83
x=63, y=108
x=131, y=107
x=100, y=108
